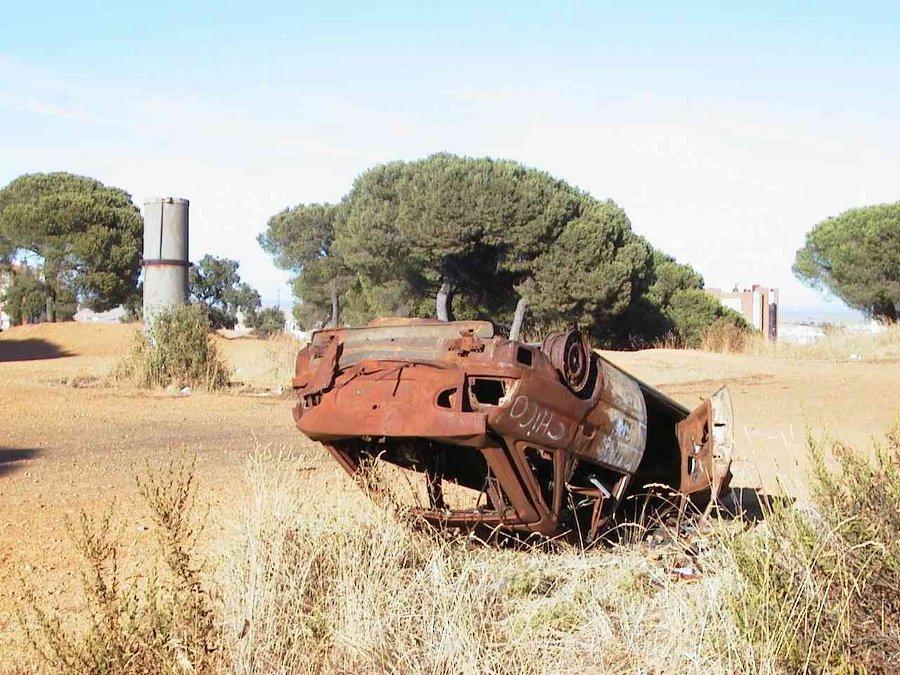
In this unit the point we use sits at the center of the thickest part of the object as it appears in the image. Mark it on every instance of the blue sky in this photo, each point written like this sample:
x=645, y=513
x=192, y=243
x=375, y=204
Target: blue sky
x=724, y=133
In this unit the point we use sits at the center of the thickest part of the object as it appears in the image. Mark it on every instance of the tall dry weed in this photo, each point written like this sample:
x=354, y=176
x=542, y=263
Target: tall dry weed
x=820, y=588
x=727, y=337
x=316, y=579
x=281, y=353
x=160, y=619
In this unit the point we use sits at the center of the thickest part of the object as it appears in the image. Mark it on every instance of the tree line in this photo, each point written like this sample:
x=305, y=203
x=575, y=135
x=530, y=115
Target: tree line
x=457, y=237
x=446, y=236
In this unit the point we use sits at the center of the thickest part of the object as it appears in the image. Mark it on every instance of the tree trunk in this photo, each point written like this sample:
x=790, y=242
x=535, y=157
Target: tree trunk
x=51, y=304
x=518, y=319
x=335, y=309
x=444, y=302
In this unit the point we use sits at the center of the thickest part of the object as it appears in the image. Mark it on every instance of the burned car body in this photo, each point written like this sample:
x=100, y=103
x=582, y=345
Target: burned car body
x=550, y=437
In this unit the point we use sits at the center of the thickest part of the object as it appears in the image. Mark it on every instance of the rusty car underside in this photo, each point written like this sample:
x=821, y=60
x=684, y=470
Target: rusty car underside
x=551, y=438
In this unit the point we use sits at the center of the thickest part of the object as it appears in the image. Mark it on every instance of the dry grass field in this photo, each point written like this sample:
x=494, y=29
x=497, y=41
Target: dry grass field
x=71, y=441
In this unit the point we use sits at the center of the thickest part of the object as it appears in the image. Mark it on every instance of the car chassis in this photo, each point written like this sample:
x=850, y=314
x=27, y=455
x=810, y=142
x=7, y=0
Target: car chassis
x=553, y=437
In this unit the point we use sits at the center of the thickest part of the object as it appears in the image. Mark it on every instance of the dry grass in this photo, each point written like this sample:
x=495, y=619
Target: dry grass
x=322, y=581
x=261, y=362
x=280, y=354
x=726, y=337
x=836, y=345
x=347, y=587
x=351, y=588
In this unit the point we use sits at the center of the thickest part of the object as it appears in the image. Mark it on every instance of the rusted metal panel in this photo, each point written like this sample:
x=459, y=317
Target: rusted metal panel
x=707, y=445
x=557, y=432
x=614, y=431
x=398, y=340
x=398, y=401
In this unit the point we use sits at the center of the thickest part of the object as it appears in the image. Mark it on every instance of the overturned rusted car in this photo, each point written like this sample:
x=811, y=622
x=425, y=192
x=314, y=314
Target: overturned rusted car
x=548, y=438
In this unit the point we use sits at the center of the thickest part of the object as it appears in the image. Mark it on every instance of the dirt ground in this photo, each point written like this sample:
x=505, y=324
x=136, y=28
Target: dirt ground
x=69, y=440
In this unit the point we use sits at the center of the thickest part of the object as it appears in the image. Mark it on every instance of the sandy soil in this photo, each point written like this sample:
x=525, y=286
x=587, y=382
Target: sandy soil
x=70, y=441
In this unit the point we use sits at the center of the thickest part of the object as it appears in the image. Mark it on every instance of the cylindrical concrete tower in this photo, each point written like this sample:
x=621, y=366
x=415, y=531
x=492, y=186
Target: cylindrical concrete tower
x=165, y=254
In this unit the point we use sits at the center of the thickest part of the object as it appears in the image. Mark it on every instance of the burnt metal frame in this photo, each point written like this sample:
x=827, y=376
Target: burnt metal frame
x=414, y=379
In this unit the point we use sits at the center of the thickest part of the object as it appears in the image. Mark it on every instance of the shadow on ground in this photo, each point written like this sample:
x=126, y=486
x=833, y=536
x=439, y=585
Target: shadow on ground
x=31, y=349
x=648, y=512
x=750, y=504
x=15, y=459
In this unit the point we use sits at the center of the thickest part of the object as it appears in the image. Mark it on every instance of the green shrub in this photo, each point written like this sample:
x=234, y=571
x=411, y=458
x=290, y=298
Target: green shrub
x=266, y=322
x=176, y=349
x=821, y=588
x=25, y=299
x=693, y=313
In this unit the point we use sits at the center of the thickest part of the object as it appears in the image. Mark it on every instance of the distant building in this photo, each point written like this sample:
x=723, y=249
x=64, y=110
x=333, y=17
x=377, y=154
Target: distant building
x=758, y=305
x=114, y=315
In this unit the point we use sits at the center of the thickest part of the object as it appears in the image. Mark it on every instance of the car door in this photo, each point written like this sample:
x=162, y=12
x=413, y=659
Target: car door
x=706, y=441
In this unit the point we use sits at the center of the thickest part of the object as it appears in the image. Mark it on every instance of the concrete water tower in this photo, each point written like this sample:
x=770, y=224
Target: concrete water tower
x=165, y=254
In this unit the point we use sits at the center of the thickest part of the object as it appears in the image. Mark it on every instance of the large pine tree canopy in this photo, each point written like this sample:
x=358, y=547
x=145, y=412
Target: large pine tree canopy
x=488, y=232
x=88, y=236
x=856, y=256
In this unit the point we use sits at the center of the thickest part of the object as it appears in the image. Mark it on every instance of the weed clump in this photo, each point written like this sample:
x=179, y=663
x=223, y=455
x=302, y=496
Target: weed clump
x=837, y=344
x=727, y=336
x=175, y=349
x=821, y=587
x=162, y=620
